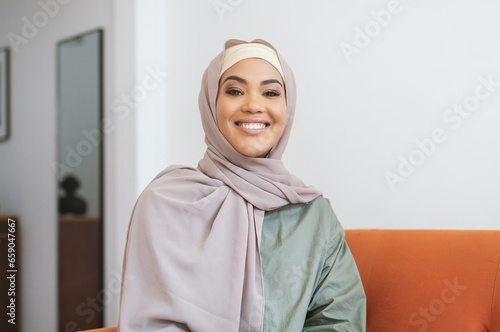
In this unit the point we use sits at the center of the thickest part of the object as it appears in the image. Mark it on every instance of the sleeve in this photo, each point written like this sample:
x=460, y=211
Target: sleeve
x=338, y=302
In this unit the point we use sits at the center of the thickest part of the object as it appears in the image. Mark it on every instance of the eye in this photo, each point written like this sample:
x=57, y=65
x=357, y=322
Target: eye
x=272, y=93
x=234, y=92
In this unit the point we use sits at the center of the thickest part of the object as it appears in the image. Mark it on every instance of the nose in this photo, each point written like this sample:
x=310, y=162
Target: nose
x=252, y=104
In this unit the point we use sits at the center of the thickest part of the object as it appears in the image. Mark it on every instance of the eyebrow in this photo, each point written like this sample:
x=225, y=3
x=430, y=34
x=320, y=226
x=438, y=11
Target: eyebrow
x=272, y=80
x=244, y=81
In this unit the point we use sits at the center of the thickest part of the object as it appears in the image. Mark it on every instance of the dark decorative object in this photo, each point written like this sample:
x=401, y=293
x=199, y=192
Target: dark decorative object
x=71, y=203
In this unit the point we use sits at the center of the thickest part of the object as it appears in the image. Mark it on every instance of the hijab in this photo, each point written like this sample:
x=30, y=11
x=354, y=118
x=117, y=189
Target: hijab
x=197, y=230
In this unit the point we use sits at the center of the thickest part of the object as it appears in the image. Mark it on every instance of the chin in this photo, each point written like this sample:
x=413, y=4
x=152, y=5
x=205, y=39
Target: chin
x=254, y=153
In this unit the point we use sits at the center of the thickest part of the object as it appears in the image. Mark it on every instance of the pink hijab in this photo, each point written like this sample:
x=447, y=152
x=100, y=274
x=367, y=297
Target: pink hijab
x=192, y=259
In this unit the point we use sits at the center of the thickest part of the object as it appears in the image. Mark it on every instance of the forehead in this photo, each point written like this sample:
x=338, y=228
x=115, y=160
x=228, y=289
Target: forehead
x=253, y=67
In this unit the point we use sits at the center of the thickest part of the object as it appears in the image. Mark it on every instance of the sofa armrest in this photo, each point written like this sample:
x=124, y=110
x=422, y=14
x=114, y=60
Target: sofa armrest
x=429, y=280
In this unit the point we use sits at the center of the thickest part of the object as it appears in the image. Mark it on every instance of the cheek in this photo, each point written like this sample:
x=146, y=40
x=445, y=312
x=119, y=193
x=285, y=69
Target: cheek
x=219, y=107
x=282, y=115
x=219, y=113
x=223, y=107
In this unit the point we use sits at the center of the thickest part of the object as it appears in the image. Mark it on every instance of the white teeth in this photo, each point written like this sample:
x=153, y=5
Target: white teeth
x=253, y=125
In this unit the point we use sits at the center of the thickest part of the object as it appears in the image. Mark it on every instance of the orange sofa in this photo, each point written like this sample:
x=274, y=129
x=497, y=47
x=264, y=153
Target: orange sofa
x=104, y=329
x=427, y=280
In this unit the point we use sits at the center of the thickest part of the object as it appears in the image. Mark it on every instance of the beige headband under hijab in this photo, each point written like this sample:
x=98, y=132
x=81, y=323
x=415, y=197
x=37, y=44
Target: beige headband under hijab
x=255, y=49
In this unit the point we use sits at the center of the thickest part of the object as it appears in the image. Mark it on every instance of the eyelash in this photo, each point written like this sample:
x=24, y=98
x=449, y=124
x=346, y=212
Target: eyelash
x=272, y=93
x=235, y=92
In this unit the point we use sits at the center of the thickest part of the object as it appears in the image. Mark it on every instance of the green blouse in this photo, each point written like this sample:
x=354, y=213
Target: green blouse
x=311, y=282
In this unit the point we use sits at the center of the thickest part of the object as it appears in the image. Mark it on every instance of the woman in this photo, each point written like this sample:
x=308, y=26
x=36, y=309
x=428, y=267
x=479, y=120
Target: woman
x=239, y=244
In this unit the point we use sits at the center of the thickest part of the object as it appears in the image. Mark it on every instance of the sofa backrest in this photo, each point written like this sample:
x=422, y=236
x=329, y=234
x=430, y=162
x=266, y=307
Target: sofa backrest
x=429, y=280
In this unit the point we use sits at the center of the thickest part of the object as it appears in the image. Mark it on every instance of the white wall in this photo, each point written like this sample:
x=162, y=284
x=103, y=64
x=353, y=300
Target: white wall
x=357, y=114
x=151, y=79
x=136, y=146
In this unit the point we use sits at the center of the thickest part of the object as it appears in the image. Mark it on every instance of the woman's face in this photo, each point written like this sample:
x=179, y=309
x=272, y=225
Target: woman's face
x=251, y=106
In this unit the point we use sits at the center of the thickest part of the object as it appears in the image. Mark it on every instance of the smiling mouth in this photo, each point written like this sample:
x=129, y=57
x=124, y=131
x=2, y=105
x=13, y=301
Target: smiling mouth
x=252, y=125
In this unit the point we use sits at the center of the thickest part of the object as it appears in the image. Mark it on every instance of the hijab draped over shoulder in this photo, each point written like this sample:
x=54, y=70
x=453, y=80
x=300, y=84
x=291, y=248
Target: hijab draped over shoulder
x=192, y=258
